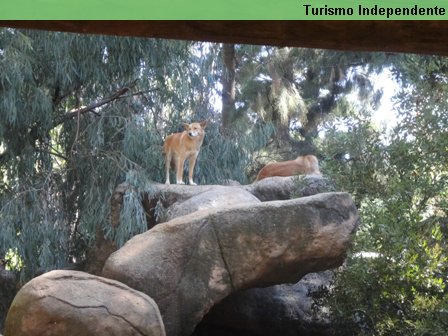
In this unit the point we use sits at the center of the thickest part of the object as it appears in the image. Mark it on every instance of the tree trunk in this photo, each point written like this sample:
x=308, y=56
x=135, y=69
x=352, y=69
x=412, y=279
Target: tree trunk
x=228, y=85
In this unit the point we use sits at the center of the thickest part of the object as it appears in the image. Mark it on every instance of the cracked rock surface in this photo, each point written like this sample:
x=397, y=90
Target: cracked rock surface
x=73, y=303
x=190, y=263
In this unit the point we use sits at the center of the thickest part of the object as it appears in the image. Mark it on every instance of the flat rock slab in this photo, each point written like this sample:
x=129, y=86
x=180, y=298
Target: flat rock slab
x=69, y=303
x=221, y=197
x=287, y=187
x=190, y=263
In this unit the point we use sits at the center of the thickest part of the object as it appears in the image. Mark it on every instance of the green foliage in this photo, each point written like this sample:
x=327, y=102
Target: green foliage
x=400, y=183
x=13, y=262
x=297, y=89
x=353, y=157
x=227, y=157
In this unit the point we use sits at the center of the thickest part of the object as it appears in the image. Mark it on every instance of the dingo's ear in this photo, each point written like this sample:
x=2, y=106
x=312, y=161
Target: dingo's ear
x=186, y=126
x=203, y=123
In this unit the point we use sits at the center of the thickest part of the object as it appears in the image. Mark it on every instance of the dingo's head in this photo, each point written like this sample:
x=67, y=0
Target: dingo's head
x=195, y=129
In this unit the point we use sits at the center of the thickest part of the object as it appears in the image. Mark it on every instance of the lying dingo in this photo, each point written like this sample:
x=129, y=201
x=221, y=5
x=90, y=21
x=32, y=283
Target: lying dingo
x=179, y=147
x=307, y=165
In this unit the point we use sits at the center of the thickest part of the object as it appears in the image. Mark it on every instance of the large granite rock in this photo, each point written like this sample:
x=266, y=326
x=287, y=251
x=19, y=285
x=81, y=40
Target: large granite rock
x=163, y=202
x=182, y=199
x=190, y=263
x=70, y=303
x=218, y=197
x=286, y=310
x=284, y=188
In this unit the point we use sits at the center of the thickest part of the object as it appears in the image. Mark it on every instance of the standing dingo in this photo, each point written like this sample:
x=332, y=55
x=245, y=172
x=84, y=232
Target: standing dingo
x=179, y=147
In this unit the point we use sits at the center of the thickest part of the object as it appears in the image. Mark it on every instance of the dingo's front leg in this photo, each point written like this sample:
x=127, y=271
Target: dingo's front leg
x=191, y=164
x=180, y=169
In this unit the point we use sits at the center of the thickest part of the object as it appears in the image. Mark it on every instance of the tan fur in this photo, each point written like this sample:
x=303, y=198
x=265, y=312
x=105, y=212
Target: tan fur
x=306, y=165
x=179, y=147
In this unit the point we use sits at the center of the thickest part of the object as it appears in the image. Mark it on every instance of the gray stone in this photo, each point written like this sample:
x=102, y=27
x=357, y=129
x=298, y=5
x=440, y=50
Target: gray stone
x=214, y=198
x=284, y=188
x=72, y=303
x=285, y=310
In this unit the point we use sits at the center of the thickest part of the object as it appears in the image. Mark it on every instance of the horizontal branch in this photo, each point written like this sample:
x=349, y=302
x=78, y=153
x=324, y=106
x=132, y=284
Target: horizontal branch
x=117, y=95
x=62, y=119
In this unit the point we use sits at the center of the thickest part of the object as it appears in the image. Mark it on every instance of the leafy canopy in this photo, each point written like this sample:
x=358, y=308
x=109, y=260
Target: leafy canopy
x=400, y=182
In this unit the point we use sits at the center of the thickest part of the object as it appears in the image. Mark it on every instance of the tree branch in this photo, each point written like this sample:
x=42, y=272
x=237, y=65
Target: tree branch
x=62, y=119
x=117, y=95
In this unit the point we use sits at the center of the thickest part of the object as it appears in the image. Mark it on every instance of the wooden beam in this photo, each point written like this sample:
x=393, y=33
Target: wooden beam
x=424, y=37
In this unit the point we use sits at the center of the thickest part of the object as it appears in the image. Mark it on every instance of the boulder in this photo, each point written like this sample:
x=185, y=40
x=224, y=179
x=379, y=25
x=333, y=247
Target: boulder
x=176, y=200
x=190, y=263
x=284, y=188
x=285, y=310
x=217, y=197
x=73, y=303
x=268, y=189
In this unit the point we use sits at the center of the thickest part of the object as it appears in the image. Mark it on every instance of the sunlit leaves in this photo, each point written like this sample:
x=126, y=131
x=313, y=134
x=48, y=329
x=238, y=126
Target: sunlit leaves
x=400, y=183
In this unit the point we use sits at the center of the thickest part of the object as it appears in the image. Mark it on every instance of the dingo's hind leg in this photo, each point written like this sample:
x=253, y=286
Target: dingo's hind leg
x=168, y=158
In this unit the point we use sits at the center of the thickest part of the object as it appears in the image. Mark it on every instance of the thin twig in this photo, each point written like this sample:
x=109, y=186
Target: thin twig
x=52, y=153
